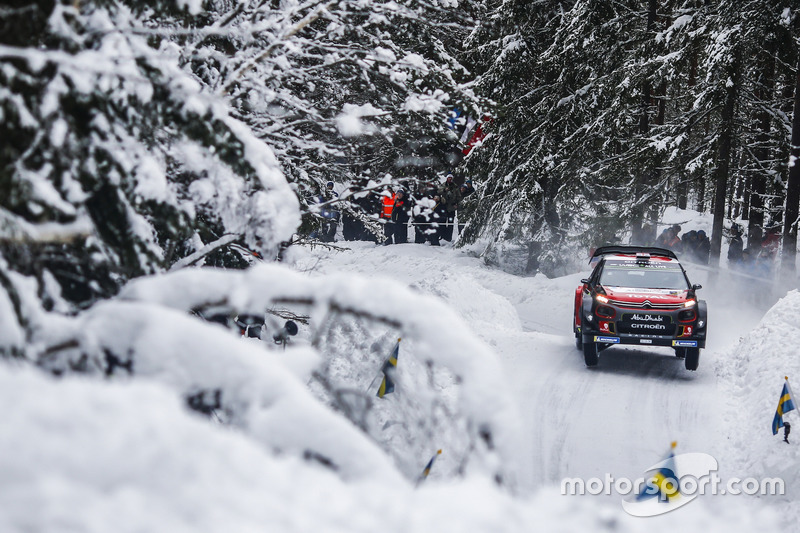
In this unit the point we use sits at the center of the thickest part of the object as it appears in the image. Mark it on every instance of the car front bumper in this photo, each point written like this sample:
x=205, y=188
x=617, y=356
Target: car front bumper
x=591, y=333
x=697, y=341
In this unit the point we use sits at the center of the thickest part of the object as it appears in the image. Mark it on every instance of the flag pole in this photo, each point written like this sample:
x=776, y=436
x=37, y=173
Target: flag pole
x=791, y=394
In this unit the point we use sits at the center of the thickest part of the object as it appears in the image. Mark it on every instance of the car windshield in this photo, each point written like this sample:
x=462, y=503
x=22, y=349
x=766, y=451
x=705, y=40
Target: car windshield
x=643, y=276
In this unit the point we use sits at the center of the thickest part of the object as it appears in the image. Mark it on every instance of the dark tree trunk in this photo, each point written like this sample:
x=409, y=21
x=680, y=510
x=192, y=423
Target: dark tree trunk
x=685, y=185
x=755, y=227
x=730, y=200
x=645, y=179
x=755, y=224
x=746, y=183
x=738, y=194
x=654, y=209
x=723, y=166
x=701, y=195
x=682, y=193
x=789, y=251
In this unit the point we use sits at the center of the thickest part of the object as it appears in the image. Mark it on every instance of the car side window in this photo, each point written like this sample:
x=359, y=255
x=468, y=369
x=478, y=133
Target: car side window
x=598, y=271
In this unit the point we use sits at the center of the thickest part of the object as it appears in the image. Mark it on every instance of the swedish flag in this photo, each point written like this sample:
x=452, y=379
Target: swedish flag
x=387, y=384
x=785, y=404
x=665, y=483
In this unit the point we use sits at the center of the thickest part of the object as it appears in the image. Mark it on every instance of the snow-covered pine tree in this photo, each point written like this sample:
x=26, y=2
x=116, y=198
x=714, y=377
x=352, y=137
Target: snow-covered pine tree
x=115, y=161
x=343, y=91
x=609, y=112
x=739, y=105
x=120, y=129
x=567, y=147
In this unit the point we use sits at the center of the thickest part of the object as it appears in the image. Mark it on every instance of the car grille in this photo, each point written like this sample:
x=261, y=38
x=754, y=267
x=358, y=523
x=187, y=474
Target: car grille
x=647, y=304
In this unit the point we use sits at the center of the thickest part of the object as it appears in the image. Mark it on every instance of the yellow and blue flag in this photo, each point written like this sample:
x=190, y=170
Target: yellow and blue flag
x=665, y=483
x=389, y=366
x=785, y=404
x=428, y=467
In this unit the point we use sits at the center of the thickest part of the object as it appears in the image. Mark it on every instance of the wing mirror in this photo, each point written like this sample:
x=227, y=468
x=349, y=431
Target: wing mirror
x=696, y=287
x=585, y=281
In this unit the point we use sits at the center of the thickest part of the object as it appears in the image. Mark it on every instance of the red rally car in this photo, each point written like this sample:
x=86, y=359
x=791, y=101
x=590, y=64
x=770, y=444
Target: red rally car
x=639, y=295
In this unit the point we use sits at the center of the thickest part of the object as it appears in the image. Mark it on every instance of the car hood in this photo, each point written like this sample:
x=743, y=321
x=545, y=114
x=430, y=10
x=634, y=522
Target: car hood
x=634, y=295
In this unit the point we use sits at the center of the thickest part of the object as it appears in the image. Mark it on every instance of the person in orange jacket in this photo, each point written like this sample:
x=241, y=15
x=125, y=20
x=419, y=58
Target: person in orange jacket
x=387, y=204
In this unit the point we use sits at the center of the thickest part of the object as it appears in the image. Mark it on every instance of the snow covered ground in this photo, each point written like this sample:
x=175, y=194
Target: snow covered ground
x=82, y=454
x=620, y=417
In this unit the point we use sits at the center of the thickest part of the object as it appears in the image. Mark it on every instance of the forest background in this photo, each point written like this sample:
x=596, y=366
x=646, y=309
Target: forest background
x=143, y=136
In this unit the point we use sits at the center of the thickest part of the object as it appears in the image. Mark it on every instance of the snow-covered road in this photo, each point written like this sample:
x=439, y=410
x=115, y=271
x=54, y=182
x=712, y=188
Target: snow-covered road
x=619, y=417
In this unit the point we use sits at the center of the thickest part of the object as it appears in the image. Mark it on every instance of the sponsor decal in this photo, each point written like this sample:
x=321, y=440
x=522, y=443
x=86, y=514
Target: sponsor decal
x=647, y=318
x=647, y=321
x=612, y=340
x=653, y=294
x=685, y=344
x=645, y=341
x=630, y=264
x=638, y=325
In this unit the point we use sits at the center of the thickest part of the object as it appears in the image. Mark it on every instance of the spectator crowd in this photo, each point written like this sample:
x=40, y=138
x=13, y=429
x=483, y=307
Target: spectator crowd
x=430, y=209
x=695, y=246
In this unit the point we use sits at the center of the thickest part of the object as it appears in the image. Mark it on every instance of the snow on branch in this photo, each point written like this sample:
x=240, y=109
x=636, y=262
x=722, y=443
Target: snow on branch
x=14, y=229
x=261, y=392
x=305, y=21
x=438, y=332
x=204, y=251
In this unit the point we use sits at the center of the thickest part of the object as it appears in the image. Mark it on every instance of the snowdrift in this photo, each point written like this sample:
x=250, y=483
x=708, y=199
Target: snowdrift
x=89, y=456
x=752, y=378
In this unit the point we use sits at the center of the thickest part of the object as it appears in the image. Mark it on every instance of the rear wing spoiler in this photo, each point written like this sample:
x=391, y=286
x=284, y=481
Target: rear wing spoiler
x=620, y=249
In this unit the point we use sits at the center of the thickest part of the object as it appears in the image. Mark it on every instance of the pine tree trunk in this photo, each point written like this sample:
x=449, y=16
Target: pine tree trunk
x=755, y=224
x=738, y=195
x=685, y=185
x=789, y=251
x=683, y=193
x=730, y=200
x=755, y=227
x=701, y=195
x=703, y=182
x=645, y=180
x=723, y=166
x=746, y=184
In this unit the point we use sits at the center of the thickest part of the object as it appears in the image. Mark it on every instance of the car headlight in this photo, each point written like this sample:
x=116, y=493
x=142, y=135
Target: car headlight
x=690, y=303
x=600, y=298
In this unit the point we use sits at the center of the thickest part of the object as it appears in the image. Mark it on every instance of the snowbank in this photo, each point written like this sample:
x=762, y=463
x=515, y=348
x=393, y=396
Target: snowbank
x=751, y=379
x=262, y=392
x=437, y=331
x=88, y=456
